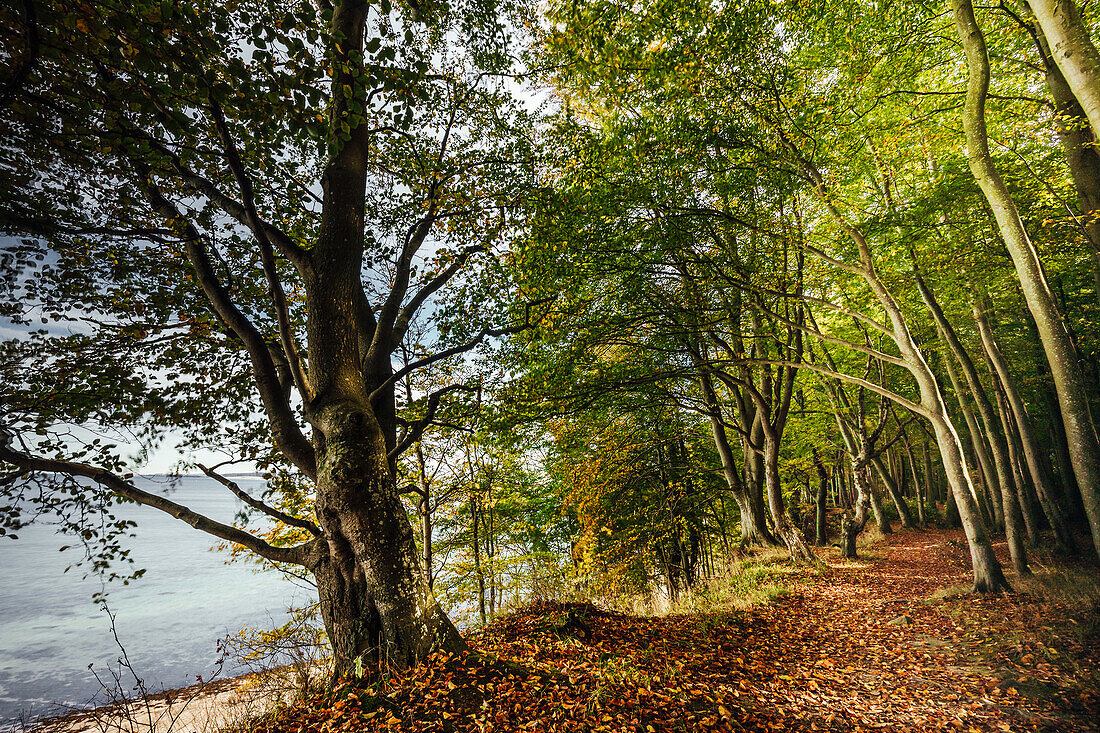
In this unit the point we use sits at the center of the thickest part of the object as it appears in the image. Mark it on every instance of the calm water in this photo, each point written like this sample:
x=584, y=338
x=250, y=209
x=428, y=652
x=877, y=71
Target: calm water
x=169, y=620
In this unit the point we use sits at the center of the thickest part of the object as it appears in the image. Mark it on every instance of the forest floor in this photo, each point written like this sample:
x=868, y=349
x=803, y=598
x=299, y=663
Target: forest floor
x=890, y=642
x=893, y=641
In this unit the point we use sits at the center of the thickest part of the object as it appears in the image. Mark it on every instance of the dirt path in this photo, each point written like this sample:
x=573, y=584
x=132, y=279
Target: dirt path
x=865, y=646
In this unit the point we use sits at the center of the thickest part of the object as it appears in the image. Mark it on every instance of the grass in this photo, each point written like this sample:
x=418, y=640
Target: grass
x=754, y=580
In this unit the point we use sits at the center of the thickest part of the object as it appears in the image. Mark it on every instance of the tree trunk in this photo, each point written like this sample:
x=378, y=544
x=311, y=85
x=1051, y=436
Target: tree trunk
x=991, y=494
x=754, y=530
x=821, y=536
x=1039, y=475
x=1073, y=52
x=1080, y=64
x=917, y=487
x=904, y=514
x=851, y=525
x=475, y=545
x=374, y=597
x=425, y=510
x=1081, y=154
x=1002, y=462
x=790, y=535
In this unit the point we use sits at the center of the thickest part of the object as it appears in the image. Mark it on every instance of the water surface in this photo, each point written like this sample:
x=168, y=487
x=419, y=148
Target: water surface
x=169, y=621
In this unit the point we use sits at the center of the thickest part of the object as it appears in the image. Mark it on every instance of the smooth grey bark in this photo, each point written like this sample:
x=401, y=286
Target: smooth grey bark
x=754, y=530
x=1078, y=60
x=977, y=442
x=1072, y=50
x=852, y=524
x=891, y=485
x=918, y=487
x=1025, y=491
x=1079, y=145
x=988, y=575
x=1008, y=490
x=1028, y=440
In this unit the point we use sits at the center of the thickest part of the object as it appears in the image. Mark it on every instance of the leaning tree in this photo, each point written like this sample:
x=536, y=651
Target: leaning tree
x=228, y=216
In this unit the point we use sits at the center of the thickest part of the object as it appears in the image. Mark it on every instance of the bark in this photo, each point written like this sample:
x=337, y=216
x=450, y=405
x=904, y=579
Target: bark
x=425, y=510
x=1078, y=60
x=754, y=530
x=1073, y=52
x=821, y=537
x=1082, y=157
x=1002, y=463
x=978, y=442
x=851, y=525
x=917, y=485
x=1028, y=440
x=790, y=535
x=372, y=571
x=904, y=513
x=1025, y=493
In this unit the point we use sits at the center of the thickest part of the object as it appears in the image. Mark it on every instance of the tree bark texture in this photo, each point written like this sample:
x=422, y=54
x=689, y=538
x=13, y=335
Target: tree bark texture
x=1080, y=64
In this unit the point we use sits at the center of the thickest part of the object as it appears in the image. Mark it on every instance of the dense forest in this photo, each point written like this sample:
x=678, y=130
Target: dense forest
x=559, y=300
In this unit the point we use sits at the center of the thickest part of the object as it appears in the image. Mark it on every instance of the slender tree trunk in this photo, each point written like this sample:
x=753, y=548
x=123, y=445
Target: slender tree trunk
x=754, y=530
x=1080, y=64
x=1081, y=154
x=852, y=525
x=425, y=510
x=788, y=533
x=917, y=486
x=904, y=514
x=1073, y=52
x=977, y=441
x=475, y=545
x=1031, y=449
x=821, y=536
x=1002, y=463
x=1025, y=494
x=929, y=481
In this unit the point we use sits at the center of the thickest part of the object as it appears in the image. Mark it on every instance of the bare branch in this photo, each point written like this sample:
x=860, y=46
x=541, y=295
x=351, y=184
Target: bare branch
x=255, y=503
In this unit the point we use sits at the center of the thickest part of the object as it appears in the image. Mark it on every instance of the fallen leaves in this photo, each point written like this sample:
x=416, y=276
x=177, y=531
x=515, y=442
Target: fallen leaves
x=820, y=658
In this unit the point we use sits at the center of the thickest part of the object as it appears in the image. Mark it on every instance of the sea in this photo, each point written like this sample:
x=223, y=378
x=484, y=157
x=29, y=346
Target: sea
x=169, y=621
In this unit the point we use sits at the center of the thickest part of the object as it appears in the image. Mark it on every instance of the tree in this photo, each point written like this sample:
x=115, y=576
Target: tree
x=230, y=214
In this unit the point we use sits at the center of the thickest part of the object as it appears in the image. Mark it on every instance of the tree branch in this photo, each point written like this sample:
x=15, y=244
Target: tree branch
x=267, y=254
x=295, y=555
x=267, y=509
x=287, y=433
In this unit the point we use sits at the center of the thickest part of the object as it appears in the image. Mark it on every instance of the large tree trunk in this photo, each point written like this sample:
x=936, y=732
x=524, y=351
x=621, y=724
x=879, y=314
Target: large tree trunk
x=1078, y=60
x=374, y=597
x=1073, y=51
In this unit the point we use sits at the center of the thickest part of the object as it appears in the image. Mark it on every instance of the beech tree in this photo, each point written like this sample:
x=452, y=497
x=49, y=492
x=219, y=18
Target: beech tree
x=228, y=216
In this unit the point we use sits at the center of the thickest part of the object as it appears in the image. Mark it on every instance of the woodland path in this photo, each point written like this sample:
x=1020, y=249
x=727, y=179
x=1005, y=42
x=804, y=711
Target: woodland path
x=823, y=657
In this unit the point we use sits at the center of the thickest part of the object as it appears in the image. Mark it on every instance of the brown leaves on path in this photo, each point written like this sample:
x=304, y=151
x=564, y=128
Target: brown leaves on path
x=823, y=657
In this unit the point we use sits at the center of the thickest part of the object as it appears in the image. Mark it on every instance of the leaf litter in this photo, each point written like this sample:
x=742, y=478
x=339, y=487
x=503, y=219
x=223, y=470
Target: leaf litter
x=824, y=656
